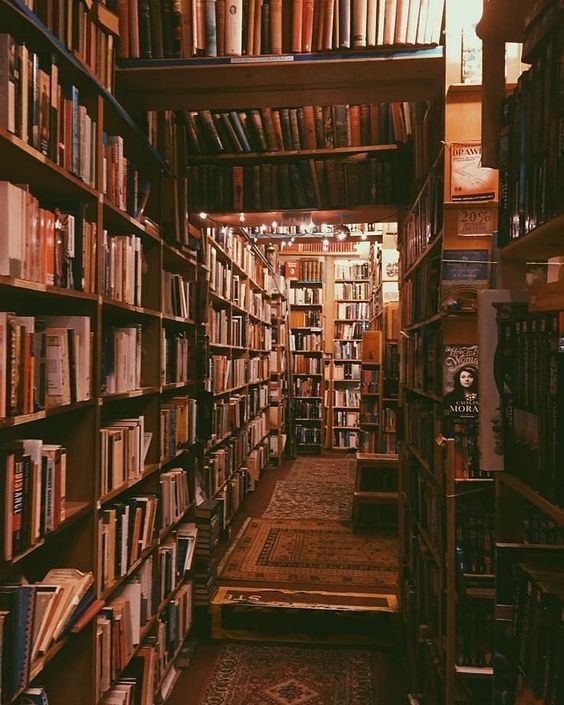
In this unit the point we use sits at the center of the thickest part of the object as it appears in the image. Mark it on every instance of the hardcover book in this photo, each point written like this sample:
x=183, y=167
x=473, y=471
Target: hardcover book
x=465, y=272
x=469, y=180
x=460, y=406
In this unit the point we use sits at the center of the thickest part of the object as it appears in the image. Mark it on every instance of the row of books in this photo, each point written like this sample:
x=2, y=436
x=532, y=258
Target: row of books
x=304, y=409
x=420, y=294
x=370, y=411
x=30, y=348
x=344, y=371
x=175, y=356
x=300, y=296
x=425, y=220
x=347, y=349
x=425, y=501
x=300, y=128
x=422, y=360
x=370, y=381
x=45, y=113
x=351, y=312
x=122, y=183
x=350, y=331
x=178, y=425
x=305, y=319
x=346, y=397
x=124, y=447
x=56, y=247
x=532, y=412
x=160, y=29
x=33, y=617
x=531, y=169
x=121, y=358
x=307, y=387
x=226, y=373
x=306, y=270
x=122, y=268
x=178, y=296
x=87, y=30
x=350, y=291
x=174, y=496
x=346, y=418
x=389, y=418
x=345, y=438
x=236, y=288
x=308, y=435
x=259, y=337
x=351, y=270
x=475, y=539
x=229, y=415
x=304, y=183
x=237, y=246
x=33, y=485
x=306, y=364
x=301, y=340
x=125, y=531
x=474, y=633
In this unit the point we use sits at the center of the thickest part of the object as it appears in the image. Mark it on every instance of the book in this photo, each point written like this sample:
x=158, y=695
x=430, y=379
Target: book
x=469, y=180
x=460, y=406
x=464, y=273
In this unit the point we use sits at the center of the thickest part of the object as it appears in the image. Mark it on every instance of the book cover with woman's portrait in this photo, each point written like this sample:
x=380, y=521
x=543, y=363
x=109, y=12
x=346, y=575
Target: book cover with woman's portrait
x=460, y=406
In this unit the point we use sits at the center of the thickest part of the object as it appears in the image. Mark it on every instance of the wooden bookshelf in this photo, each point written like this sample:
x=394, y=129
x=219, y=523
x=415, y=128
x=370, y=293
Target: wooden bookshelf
x=338, y=77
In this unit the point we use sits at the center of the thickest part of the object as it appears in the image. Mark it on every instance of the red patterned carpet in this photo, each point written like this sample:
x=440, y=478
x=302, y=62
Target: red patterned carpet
x=281, y=675
x=316, y=553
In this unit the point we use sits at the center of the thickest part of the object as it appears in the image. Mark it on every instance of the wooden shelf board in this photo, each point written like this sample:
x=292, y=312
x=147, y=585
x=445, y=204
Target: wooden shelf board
x=423, y=254
x=379, y=212
x=293, y=153
x=545, y=505
x=544, y=241
x=475, y=671
x=503, y=20
x=36, y=288
x=45, y=413
x=143, y=391
x=290, y=79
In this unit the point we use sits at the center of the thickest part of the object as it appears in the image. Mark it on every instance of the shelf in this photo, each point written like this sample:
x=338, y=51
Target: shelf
x=130, y=308
x=475, y=671
x=503, y=20
x=123, y=578
x=293, y=153
x=132, y=394
x=422, y=393
x=116, y=491
x=541, y=243
x=520, y=488
x=280, y=80
x=45, y=413
x=422, y=255
x=118, y=219
x=31, y=288
x=379, y=212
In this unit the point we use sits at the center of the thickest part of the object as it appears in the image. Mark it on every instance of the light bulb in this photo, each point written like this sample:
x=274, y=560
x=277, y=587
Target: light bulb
x=242, y=217
x=203, y=215
x=274, y=224
x=363, y=236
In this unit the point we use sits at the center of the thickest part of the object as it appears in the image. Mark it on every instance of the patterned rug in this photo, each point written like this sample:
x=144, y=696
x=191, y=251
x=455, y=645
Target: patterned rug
x=317, y=553
x=298, y=499
x=279, y=675
x=321, y=469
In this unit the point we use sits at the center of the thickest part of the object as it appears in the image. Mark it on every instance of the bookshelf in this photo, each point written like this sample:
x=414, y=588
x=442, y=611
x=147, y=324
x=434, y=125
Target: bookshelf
x=279, y=363
x=306, y=294
x=447, y=497
x=350, y=318
x=529, y=517
x=90, y=278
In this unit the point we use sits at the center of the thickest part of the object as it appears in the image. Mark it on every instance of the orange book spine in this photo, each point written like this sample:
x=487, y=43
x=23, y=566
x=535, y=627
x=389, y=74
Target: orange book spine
x=276, y=26
x=354, y=119
x=258, y=28
x=309, y=121
x=328, y=25
x=250, y=26
x=220, y=26
x=307, y=25
x=297, y=24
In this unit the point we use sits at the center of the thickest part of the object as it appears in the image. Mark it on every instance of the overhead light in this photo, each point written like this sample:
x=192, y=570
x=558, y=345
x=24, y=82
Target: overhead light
x=242, y=217
x=342, y=232
x=363, y=236
x=203, y=215
x=274, y=224
x=325, y=242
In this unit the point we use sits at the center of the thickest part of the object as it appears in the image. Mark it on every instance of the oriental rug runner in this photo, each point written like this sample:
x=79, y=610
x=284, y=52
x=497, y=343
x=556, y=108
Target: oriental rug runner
x=287, y=675
x=301, y=499
x=315, y=553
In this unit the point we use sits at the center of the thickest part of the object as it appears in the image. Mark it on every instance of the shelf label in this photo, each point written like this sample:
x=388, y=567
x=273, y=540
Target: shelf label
x=475, y=221
x=302, y=218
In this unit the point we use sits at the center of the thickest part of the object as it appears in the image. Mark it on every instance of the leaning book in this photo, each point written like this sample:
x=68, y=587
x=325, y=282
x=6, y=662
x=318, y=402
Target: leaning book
x=469, y=180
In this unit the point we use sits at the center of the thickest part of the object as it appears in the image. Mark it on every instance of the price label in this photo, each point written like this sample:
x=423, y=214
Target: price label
x=475, y=221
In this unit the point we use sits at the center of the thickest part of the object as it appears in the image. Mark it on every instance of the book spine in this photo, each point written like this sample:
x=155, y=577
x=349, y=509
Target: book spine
x=234, y=28
x=211, y=28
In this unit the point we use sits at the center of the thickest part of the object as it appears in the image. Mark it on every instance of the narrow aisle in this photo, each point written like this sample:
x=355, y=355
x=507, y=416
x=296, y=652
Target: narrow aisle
x=310, y=493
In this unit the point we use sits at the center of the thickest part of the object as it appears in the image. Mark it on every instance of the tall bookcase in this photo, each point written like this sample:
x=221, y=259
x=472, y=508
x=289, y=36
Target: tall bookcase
x=447, y=498
x=170, y=396
x=306, y=292
x=526, y=324
x=98, y=314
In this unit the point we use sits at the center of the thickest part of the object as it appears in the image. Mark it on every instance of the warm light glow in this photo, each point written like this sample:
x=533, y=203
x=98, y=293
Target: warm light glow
x=274, y=224
x=203, y=215
x=242, y=217
x=363, y=236
x=283, y=243
x=325, y=242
